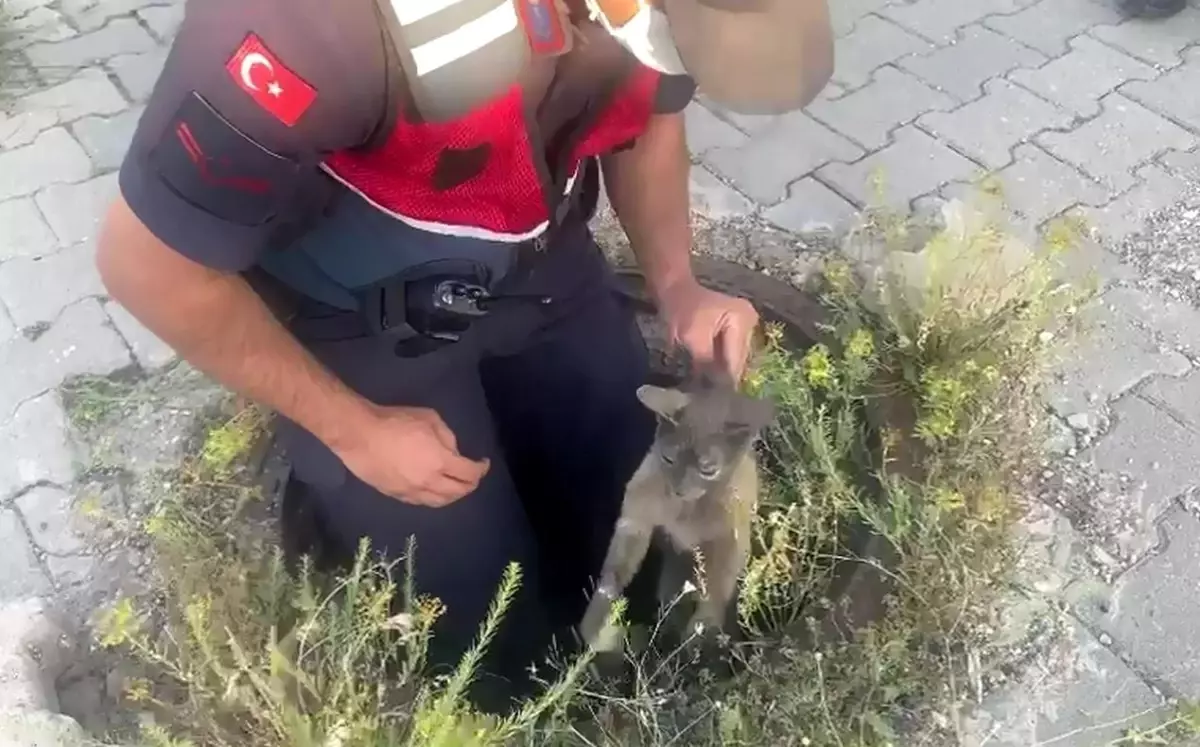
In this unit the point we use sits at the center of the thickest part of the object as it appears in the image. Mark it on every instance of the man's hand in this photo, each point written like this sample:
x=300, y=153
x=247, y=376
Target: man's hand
x=410, y=454
x=711, y=325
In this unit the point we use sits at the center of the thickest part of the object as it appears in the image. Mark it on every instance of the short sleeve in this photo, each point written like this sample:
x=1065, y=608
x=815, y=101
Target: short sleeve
x=674, y=93
x=252, y=97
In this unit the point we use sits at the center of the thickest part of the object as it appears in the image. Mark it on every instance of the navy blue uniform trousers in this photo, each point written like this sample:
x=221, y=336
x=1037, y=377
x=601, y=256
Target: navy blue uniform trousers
x=549, y=395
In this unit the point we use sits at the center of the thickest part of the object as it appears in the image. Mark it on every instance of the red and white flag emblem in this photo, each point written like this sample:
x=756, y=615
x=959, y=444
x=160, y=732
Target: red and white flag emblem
x=272, y=85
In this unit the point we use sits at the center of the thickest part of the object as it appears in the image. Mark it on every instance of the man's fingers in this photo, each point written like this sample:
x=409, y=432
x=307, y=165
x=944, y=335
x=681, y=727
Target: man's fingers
x=464, y=470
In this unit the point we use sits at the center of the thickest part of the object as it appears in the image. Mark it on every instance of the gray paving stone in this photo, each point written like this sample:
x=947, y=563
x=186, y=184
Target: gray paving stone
x=1110, y=146
x=91, y=92
x=811, y=208
x=39, y=25
x=34, y=443
x=1154, y=444
x=75, y=211
x=1174, y=94
x=939, y=19
x=1127, y=214
x=1048, y=25
x=979, y=55
x=706, y=131
x=36, y=290
x=1184, y=164
x=847, y=14
x=989, y=128
x=25, y=232
x=1111, y=358
x=1079, y=79
x=80, y=342
x=53, y=157
x=47, y=513
x=1156, y=43
x=121, y=36
x=1155, y=607
x=163, y=20
x=8, y=329
x=106, y=139
x=139, y=72
x=1176, y=322
x=873, y=42
x=18, y=8
x=869, y=114
x=150, y=352
x=22, y=577
x=913, y=165
x=1084, y=696
x=1038, y=186
x=714, y=199
x=90, y=15
x=790, y=149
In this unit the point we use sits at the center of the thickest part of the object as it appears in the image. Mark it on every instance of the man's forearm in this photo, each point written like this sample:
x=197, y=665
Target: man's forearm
x=220, y=325
x=649, y=190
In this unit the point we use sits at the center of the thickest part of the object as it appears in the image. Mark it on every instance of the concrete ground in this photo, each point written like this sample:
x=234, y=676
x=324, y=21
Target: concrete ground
x=1077, y=110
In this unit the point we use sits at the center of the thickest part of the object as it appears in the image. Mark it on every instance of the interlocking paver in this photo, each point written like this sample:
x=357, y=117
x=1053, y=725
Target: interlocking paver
x=163, y=20
x=939, y=19
x=811, y=208
x=149, y=351
x=790, y=148
x=1156, y=43
x=23, y=577
x=39, y=25
x=74, y=211
x=8, y=328
x=1174, y=94
x=90, y=92
x=138, y=72
x=989, y=128
x=979, y=55
x=47, y=513
x=847, y=14
x=122, y=35
x=80, y=342
x=1176, y=322
x=1112, y=357
x=1048, y=25
x=1154, y=610
x=52, y=158
x=874, y=42
x=1123, y=136
x=107, y=138
x=716, y=199
x=36, y=290
x=25, y=231
x=1038, y=186
x=869, y=114
x=913, y=165
x=706, y=131
x=34, y=443
x=1079, y=79
x=90, y=15
x=1156, y=188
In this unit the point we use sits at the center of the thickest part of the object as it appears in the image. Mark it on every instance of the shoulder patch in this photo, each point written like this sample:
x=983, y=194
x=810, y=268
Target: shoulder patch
x=213, y=166
x=272, y=85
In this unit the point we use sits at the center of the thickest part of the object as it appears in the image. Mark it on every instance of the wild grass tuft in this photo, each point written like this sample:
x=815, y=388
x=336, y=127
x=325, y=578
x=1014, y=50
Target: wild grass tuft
x=897, y=462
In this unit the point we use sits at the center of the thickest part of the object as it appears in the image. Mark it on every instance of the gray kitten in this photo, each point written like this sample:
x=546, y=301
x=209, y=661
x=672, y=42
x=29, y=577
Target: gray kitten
x=699, y=485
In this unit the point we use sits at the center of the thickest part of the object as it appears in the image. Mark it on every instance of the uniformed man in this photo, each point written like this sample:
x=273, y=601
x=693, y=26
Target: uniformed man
x=371, y=216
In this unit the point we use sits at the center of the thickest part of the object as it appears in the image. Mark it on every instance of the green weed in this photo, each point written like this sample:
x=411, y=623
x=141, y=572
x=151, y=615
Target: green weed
x=913, y=421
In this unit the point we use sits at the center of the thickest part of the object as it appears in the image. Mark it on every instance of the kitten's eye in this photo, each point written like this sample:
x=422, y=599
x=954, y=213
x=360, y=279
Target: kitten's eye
x=667, y=455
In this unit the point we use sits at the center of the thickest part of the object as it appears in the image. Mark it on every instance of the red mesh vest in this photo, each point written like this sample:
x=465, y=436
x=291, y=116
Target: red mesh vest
x=504, y=200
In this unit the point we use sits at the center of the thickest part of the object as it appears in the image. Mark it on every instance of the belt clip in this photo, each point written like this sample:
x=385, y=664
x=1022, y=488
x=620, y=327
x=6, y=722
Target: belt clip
x=385, y=309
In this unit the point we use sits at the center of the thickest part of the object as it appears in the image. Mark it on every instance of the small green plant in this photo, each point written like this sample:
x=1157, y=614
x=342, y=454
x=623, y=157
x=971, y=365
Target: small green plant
x=912, y=421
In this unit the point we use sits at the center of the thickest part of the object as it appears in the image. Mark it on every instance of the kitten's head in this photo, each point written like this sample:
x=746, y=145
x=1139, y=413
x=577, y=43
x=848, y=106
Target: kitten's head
x=703, y=430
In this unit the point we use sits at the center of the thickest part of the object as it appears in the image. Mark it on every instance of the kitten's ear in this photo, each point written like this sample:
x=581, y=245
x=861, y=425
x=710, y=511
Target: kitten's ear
x=664, y=402
x=756, y=414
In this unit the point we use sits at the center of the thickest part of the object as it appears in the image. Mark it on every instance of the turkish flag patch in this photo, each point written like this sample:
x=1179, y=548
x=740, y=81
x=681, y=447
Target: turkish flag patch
x=272, y=85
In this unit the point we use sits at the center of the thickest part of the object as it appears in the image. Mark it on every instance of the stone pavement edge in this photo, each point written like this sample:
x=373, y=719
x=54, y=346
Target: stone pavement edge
x=1077, y=111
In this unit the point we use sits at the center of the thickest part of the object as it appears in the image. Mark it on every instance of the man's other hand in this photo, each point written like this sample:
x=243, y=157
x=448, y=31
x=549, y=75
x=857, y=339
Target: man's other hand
x=410, y=454
x=711, y=325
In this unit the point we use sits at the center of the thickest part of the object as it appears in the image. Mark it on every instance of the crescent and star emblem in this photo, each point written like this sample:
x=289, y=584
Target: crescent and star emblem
x=257, y=59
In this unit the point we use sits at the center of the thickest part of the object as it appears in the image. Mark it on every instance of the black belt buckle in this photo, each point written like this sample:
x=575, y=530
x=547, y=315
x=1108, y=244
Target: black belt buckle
x=385, y=310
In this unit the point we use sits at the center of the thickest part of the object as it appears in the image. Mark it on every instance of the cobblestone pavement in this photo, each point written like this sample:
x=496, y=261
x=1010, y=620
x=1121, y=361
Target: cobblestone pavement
x=1076, y=110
